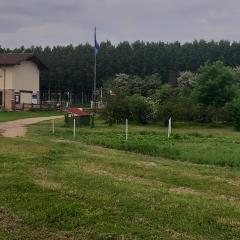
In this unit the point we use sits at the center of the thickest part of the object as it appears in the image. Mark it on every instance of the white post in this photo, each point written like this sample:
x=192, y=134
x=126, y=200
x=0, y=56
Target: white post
x=53, y=127
x=74, y=128
x=126, y=130
x=169, y=127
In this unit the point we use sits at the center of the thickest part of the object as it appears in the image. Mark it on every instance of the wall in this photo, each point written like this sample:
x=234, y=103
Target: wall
x=8, y=96
x=25, y=77
x=19, y=77
x=8, y=78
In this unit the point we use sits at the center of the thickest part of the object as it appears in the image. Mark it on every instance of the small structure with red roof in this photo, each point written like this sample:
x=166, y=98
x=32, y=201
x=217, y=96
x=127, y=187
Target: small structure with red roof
x=82, y=117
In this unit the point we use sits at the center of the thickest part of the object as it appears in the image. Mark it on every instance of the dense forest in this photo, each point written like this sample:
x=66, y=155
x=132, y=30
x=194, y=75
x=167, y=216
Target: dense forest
x=71, y=67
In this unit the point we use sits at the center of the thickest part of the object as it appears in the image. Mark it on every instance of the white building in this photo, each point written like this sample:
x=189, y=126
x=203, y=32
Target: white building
x=19, y=79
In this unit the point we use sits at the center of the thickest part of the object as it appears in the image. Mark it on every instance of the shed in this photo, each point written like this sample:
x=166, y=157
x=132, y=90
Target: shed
x=82, y=117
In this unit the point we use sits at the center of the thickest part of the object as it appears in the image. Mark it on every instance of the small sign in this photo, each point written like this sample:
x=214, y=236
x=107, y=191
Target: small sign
x=17, y=98
x=34, y=99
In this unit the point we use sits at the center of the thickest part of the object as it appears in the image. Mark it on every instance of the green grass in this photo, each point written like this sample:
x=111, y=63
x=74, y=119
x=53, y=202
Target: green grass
x=11, y=116
x=54, y=188
x=193, y=144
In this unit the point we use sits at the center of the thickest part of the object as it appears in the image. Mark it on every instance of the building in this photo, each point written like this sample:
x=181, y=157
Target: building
x=81, y=117
x=19, y=79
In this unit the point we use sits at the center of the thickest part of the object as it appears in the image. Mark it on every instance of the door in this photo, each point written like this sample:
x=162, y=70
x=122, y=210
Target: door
x=1, y=98
x=26, y=97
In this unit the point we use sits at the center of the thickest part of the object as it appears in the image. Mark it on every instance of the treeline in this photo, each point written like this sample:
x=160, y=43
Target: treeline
x=209, y=95
x=71, y=67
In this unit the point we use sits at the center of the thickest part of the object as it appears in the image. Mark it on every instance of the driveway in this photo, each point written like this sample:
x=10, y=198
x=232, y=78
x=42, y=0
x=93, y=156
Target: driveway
x=18, y=128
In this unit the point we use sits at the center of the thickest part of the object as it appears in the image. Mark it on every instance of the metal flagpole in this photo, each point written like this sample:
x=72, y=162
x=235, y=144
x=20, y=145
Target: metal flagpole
x=95, y=77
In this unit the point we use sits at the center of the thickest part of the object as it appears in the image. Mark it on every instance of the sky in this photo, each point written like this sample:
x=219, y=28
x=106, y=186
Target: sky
x=63, y=22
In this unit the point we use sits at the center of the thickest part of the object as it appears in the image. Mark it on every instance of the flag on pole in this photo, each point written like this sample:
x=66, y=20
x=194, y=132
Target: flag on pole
x=96, y=45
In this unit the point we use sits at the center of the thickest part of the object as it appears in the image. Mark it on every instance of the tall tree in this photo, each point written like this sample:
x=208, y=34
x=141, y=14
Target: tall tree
x=215, y=86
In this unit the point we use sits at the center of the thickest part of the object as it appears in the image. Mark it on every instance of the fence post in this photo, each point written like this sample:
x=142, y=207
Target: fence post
x=53, y=127
x=169, y=127
x=126, y=129
x=74, y=128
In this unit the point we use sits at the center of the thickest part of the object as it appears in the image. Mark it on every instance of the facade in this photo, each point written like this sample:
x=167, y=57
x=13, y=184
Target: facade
x=19, y=79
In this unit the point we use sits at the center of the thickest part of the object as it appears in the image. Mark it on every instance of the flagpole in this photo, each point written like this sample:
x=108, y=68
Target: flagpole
x=95, y=78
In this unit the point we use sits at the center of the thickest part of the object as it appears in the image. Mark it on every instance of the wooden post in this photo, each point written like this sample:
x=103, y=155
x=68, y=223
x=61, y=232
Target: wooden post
x=74, y=128
x=126, y=130
x=53, y=127
x=169, y=127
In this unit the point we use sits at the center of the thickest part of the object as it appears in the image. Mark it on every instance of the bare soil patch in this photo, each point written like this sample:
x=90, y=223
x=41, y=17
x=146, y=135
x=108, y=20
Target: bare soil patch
x=17, y=128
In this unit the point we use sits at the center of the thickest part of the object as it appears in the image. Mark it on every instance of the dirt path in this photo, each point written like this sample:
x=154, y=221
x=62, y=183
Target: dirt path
x=18, y=128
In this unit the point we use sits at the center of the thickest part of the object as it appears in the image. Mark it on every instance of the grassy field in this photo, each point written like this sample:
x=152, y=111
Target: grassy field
x=54, y=188
x=11, y=116
x=194, y=144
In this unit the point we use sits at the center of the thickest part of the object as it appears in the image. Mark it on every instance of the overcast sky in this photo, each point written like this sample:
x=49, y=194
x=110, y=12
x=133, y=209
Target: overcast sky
x=61, y=22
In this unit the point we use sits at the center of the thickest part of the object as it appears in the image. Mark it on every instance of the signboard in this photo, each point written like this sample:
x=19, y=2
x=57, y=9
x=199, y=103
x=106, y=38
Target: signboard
x=34, y=98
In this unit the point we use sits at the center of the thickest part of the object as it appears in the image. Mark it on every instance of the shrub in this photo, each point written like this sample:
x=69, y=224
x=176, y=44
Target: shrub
x=139, y=108
x=233, y=109
x=215, y=86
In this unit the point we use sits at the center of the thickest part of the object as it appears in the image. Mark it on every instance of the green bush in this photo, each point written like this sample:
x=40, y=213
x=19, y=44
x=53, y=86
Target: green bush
x=138, y=108
x=233, y=109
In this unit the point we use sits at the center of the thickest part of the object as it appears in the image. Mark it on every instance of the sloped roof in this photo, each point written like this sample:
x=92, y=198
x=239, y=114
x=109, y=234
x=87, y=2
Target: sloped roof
x=78, y=112
x=11, y=59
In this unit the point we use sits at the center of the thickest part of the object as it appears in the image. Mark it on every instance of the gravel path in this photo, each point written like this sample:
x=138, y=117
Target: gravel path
x=18, y=128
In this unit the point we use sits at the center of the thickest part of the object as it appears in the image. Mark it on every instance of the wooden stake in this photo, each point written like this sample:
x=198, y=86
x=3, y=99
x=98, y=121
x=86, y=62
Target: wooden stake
x=53, y=127
x=169, y=127
x=126, y=130
x=74, y=128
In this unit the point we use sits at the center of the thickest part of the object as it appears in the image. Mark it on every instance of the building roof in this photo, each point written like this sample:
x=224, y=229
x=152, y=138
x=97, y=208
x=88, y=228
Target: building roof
x=11, y=59
x=78, y=112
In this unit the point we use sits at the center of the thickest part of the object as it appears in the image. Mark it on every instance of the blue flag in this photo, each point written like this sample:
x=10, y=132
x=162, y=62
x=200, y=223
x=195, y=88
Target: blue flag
x=96, y=45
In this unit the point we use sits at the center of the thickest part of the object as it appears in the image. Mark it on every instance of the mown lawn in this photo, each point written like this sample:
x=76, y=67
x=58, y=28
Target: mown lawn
x=193, y=144
x=54, y=188
x=11, y=116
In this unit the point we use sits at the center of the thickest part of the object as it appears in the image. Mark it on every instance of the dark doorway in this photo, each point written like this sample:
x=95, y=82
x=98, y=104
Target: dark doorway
x=1, y=99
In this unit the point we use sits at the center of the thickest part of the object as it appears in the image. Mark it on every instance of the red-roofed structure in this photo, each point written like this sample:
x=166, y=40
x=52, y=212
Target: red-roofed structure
x=80, y=117
x=78, y=112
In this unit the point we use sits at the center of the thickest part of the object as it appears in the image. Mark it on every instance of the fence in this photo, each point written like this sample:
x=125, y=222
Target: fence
x=31, y=106
x=81, y=98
